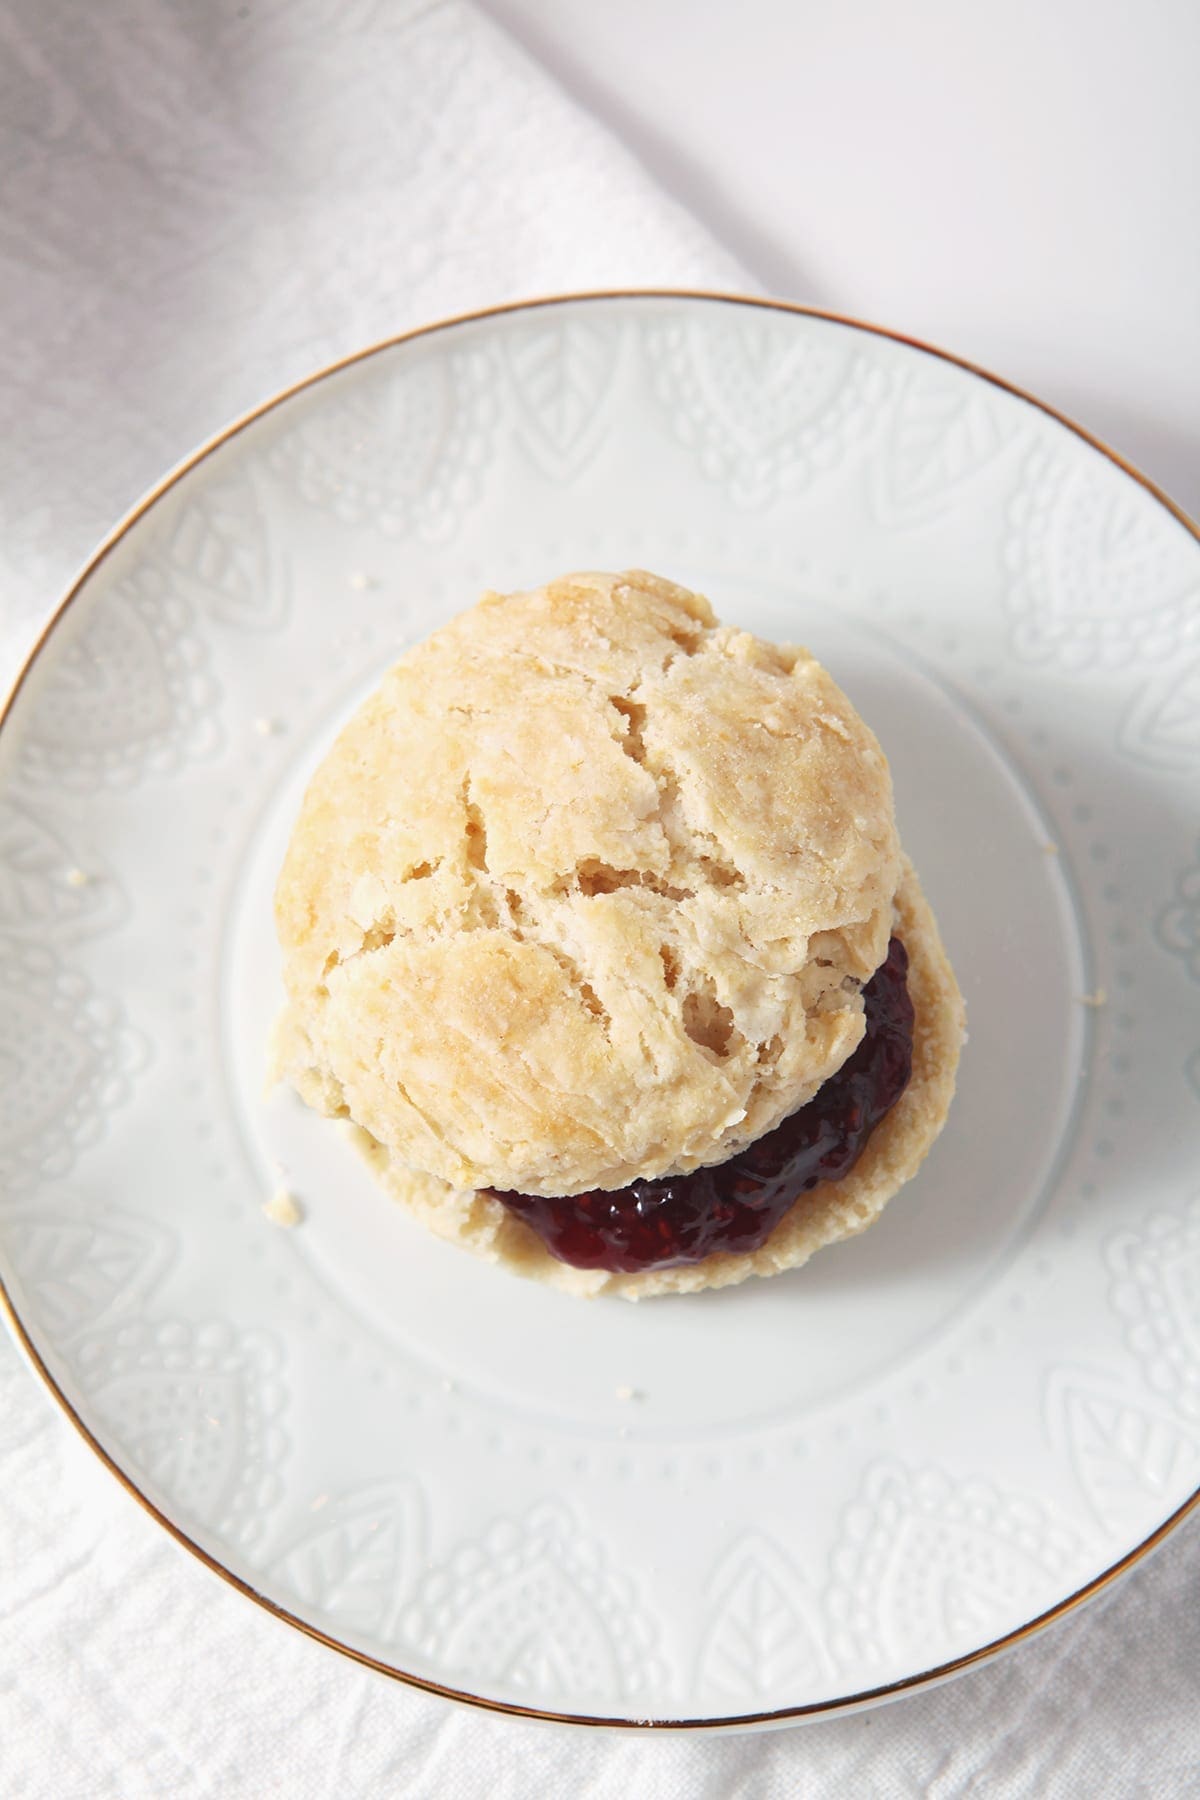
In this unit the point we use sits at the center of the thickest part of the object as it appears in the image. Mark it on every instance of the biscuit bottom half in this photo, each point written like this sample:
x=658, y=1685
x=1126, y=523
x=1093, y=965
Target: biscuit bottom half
x=826, y=1213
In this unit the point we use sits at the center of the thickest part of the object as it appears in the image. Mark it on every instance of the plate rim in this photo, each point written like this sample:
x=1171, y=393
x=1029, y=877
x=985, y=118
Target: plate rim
x=841, y=1704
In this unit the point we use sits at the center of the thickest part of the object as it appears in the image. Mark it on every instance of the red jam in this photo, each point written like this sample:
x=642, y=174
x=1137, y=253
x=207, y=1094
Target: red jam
x=737, y=1204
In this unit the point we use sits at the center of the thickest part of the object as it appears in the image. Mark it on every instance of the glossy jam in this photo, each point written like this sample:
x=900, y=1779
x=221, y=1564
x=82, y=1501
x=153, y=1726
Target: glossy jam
x=737, y=1204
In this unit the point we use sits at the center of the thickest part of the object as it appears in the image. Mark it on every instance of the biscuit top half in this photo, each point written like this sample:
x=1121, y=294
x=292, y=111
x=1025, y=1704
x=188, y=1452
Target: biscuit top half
x=586, y=891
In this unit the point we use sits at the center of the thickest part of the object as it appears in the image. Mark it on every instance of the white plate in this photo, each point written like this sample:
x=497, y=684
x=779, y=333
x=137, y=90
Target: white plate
x=829, y=1486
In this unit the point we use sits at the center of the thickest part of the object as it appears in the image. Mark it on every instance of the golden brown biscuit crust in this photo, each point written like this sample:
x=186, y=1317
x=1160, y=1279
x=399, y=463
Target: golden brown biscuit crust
x=586, y=891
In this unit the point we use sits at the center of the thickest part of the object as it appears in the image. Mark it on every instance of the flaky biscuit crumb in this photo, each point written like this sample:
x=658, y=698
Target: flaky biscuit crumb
x=283, y=1208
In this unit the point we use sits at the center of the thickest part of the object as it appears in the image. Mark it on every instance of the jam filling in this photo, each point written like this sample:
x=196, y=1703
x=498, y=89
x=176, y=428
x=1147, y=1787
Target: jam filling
x=736, y=1205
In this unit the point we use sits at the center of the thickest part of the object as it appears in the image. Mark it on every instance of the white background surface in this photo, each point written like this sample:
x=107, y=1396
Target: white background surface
x=199, y=203
x=1016, y=182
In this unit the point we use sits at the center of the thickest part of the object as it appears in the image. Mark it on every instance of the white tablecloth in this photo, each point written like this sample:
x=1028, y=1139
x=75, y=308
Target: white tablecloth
x=198, y=203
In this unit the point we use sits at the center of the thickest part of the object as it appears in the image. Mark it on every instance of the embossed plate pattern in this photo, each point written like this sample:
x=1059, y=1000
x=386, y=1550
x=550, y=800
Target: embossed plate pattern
x=825, y=1487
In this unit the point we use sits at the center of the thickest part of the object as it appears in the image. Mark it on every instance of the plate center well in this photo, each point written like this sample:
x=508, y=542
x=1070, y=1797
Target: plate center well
x=765, y=1350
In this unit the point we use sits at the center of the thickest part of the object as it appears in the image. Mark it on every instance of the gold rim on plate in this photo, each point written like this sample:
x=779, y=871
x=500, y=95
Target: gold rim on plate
x=813, y=1709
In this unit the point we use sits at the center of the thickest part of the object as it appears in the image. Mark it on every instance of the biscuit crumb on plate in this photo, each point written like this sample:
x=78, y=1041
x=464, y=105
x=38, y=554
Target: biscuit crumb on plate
x=283, y=1208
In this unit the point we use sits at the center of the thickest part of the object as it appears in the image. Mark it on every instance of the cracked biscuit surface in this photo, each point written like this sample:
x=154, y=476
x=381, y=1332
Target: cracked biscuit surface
x=587, y=890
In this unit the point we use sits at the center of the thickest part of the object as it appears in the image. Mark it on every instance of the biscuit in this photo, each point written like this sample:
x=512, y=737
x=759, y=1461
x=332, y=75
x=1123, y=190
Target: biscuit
x=830, y=1211
x=586, y=891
